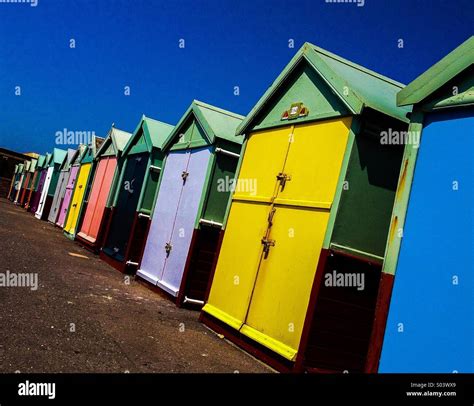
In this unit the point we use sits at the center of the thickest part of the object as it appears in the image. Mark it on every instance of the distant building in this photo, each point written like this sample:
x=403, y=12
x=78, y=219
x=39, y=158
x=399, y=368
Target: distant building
x=8, y=160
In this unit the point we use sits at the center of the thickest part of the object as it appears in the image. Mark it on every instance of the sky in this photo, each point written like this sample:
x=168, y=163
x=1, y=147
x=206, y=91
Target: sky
x=68, y=64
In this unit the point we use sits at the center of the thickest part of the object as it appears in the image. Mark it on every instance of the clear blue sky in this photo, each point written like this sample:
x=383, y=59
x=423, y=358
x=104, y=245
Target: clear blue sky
x=228, y=43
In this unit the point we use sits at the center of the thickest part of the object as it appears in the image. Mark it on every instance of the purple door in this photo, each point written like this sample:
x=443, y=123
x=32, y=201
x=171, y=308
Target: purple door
x=67, y=196
x=34, y=205
x=185, y=218
x=161, y=227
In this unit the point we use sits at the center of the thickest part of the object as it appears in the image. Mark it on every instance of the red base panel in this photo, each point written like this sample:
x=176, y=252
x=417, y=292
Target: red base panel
x=378, y=330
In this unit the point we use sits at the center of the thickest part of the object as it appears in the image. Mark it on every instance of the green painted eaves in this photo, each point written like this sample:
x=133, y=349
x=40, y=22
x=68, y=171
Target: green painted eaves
x=215, y=123
x=40, y=162
x=47, y=160
x=356, y=86
x=155, y=133
x=34, y=162
x=116, y=138
x=438, y=75
x=58, y=156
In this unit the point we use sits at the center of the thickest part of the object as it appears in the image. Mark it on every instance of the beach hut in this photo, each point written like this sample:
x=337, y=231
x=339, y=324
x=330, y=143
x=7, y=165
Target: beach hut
x=26, y=181
x=8, y=160
x=34, y=182
x=108, y=162
x=76, y=163
x=430, y=251
x=61, y=186
x=29, y=183
x=41, y=182
x=14, y=183
x=314, y=135
x=51, y=181
x=20, y=181
x=134, y=195
x=194, y=189
x=80, y=188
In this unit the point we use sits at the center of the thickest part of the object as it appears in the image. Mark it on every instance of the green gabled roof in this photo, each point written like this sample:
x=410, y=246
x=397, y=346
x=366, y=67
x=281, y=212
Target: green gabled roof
x=216, y=122
x=47, y=160
x=117, y=138
x=79, y=154
x=95, y=144
x=27, y=166
x=20, y=167
x=58, y=156
x=356, y=86
x=438, y=75
x=155, y=133
x=33, y=165
x=68, y=159
x=40, y=162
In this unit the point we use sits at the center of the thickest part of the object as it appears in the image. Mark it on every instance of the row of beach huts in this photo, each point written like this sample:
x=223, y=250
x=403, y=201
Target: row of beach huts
x=329, y=230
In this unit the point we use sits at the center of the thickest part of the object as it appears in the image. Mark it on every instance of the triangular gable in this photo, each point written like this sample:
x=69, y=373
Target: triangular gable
x=222, y=123
x=33, y=165
x=40, y=162
x=451, y=66
x=79, y=154
x=148, y=134
x=340, y=86
x=114, y=143
x=47, y=160
x=68, y=159
x=59, y=155
x=201, y=124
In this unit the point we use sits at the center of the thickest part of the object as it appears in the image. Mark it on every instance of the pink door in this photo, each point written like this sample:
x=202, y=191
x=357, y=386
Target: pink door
x=98, y=198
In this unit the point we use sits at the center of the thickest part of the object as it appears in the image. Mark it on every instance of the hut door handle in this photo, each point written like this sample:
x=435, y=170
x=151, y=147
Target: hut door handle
x=270, y=217
x=168, y=247
x=184, y=175
x=283, y=178
x=266, y=246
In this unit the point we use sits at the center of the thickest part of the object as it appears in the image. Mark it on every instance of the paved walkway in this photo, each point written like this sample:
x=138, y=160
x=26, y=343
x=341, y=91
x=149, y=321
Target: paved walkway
x=84, y=317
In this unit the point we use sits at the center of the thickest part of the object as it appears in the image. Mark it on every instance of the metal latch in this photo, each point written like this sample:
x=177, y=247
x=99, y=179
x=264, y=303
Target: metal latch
x=270, y=217
x=168, y=247
x=184, y=175
x=266, y=246
x=283, y=178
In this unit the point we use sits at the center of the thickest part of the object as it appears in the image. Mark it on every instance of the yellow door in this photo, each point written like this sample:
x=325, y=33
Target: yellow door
x=238, y=263
x=314, y=162
x=271, y=301
x=283, y=286
x=77, y=198
x=264, y=158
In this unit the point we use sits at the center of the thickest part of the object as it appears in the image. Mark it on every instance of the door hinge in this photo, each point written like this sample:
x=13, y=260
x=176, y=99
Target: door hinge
x=283, y=178
x=267, y=243
x=168, y=248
